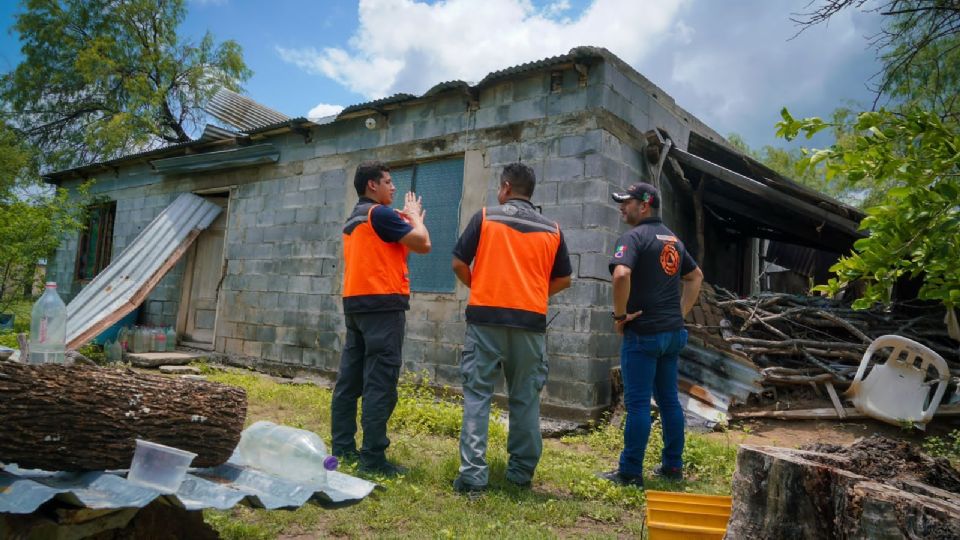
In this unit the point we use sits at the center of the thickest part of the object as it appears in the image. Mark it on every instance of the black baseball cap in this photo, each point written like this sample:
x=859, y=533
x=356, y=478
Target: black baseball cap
x=640, y=191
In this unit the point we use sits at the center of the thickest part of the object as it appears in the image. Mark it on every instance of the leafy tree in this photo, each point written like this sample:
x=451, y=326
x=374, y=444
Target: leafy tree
x=34, y=217
x=103, y=78
x=906, y=159
x=915, y=227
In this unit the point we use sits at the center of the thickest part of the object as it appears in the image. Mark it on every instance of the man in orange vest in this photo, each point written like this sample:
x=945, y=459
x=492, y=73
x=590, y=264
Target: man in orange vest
x=376, y=295
x=519, y=260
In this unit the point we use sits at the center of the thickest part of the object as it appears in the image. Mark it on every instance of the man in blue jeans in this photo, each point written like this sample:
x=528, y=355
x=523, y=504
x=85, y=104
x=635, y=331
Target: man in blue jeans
x=655, y=283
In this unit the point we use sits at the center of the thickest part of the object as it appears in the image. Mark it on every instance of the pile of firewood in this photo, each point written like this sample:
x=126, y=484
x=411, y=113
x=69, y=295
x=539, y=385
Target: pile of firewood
x=816, y=334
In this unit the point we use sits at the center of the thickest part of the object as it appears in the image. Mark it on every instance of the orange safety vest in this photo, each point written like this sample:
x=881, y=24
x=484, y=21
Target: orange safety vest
x=375, y=275
x=510, y=281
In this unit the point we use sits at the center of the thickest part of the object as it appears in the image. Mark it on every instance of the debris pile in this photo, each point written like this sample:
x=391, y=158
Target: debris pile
x=789, y=335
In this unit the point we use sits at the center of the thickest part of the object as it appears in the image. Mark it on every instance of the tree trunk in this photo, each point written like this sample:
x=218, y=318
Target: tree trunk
x=56, y=417
x=786, y=494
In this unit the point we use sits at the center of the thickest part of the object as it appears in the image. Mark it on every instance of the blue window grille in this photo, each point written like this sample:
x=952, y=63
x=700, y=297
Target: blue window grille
x=440, y=184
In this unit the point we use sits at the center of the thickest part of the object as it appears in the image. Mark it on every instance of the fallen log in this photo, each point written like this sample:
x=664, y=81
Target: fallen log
x=837, y=493
x=57, y=417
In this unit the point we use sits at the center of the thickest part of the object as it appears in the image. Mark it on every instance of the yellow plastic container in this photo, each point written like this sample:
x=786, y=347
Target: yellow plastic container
x=688, y=516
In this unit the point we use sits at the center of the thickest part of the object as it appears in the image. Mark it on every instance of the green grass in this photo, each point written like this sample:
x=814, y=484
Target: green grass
x=567, y=500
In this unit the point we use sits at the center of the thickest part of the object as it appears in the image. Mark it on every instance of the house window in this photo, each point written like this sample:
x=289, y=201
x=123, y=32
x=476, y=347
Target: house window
x=440, y=183
x=96, y=241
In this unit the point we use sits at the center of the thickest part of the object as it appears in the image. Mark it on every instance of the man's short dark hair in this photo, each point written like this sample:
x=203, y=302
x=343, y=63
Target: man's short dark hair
x=521, y=178
x=366, y=171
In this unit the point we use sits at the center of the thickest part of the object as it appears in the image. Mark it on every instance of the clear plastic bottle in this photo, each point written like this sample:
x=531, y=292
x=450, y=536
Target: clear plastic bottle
x=48, y=328
x=171, y=339
x=136, y=340
x=124, y=339
x=159, y=340
x=113, y=351
x=288, y=452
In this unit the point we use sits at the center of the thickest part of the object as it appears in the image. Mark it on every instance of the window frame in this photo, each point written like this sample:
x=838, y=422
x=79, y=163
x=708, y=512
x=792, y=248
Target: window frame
x=398, y=202
x=106, y=214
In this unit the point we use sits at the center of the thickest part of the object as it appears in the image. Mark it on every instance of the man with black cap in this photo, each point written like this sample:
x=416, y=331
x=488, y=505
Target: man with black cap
x=655, y=283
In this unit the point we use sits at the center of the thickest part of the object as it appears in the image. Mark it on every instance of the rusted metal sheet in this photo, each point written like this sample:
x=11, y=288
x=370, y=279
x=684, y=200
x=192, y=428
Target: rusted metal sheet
x=242, y=112
x=710, y=382
x=125, y=283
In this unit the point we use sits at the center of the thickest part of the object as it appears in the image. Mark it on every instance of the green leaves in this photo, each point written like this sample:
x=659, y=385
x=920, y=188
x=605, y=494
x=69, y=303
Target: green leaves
x=910, y=160
x=103, y=78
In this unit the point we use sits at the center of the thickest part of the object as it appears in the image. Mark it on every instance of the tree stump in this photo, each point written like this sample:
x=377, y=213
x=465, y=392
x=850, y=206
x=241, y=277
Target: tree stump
x=787, y=494
x=56, y=417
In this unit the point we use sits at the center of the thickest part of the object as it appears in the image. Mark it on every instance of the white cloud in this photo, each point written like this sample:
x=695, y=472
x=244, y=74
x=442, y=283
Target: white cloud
x=408, y=46
x=736, y=68
x=324, y=109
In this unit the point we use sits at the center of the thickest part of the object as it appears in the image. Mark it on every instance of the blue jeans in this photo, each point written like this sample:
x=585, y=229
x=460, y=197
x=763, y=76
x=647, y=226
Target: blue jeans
x=648, y=364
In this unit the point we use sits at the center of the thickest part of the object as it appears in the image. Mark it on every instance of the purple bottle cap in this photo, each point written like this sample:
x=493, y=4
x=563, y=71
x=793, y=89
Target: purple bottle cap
x=330, y=463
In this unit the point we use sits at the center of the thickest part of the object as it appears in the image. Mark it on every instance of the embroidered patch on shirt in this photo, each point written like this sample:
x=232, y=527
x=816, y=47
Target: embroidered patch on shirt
x=619, y=253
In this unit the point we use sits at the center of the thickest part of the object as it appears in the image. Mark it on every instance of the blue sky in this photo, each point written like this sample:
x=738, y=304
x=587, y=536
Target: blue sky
x=733, y=63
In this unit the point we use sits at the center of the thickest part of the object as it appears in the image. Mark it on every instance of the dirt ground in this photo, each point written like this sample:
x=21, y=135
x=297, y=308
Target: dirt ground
x=797, y=433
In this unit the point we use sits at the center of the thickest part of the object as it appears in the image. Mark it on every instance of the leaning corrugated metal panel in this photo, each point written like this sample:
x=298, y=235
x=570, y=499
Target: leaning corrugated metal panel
x=123, y=285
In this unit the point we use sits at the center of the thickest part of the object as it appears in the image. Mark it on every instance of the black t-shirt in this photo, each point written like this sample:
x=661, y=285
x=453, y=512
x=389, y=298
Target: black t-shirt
x=387, y=223
x=466, y=248
x=657, y=259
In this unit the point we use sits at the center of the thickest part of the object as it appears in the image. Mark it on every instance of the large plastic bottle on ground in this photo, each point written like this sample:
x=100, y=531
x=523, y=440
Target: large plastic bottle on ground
x=288, y=452
x=48, y=328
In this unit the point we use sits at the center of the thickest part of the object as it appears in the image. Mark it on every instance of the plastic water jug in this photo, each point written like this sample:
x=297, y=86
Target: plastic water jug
x=48, y=328
x=287, y=452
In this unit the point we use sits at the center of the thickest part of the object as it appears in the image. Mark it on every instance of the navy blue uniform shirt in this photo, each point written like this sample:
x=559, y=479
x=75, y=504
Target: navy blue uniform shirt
x=657, y=259
x=388, y=225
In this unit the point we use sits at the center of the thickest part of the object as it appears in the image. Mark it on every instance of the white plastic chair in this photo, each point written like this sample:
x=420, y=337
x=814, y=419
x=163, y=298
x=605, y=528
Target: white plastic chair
x=897, y=390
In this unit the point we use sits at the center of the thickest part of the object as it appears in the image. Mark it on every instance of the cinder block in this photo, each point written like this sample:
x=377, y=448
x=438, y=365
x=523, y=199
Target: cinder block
x=593, y=190
x=594, y=265
x=568, y=216
x=564, y=170
x=290, y=354
x=588, y=240
x=252, y=348
x=584, y=292
x=545, y=193
x=579, y=369
x=602, y=214
x=579, y=145
x=569, y=343
x=576, y=394
x=601, y=166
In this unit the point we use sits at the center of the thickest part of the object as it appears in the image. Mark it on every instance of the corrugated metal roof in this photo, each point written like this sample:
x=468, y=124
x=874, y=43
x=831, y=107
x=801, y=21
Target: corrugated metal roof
x=123, y=285
x=378, y=103
x=242, y=112
x=24, y=491
x=216, y=133
x=444, y=86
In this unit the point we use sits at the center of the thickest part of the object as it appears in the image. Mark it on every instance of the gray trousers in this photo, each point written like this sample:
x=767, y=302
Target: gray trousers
x=369, y=367
x=523, y=357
